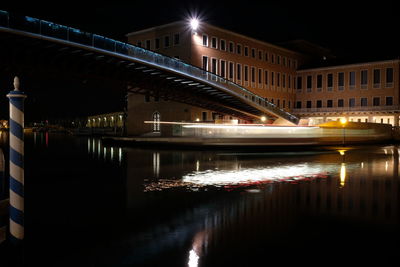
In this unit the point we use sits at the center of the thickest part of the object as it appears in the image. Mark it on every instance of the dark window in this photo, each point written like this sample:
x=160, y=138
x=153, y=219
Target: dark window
x=231, y=70
x=340, y=103
x=278, y=79
x=238, y=49
x=259, y=75
x=204, y=116
x=246, y=73
x=266, y=77
x=299, y=82
x=214, y=42
x=376, y=101
x=352, y=79
x=278, y=60
x=260, y=54
x=298, y=104
x=309, y=83
x=289, y=81
x=139, y=43
x=377, y=76
x=166, y=41
x=266, y=56
x=389, y=101
x=389, y=75
x=148, y=44
x=239, y=72
x=146, y=98
x=319, y=103
x=284, y=80
x=330, y=81
x=352, y=102
x=253, y=75
x=157, y=43
x=205, y=63
x=341, y=80
x=329, y=103
x=214, y=65
x=253, y=53
x=222, y=45
x=231, y=47
x=272, y=78
x=223, y=67
x=309, y=104
x=246, y=51
x=176, y=39
x=319, y=81
x=272, y=58
x=364, y=77
x=205, y=40
x=364, y=101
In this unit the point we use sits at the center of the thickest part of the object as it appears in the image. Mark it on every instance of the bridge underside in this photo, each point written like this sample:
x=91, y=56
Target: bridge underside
x=20, y=52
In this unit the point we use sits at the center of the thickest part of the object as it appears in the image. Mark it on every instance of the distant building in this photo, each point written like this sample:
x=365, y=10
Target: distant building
x=360, y=92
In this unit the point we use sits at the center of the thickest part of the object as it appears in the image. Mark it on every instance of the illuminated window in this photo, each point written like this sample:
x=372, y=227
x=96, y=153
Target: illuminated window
x=156, y=121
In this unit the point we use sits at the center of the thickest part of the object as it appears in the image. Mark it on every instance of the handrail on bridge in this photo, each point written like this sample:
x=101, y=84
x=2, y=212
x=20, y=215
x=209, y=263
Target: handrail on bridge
x=53, y=30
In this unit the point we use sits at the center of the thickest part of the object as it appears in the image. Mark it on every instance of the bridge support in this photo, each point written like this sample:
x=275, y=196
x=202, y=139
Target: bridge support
x=16, y=162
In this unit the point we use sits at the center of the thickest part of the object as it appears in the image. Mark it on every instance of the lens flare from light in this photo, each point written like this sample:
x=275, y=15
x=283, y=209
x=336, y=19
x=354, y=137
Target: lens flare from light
x=194, y=23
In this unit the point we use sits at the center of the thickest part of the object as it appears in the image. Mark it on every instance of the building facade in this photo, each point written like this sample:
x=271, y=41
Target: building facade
x=360, y=92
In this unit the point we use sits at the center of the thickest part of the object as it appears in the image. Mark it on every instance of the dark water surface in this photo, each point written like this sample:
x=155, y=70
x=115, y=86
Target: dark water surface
x=87, y=205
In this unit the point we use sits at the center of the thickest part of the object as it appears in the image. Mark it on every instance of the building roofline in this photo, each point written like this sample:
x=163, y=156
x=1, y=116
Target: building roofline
x=350, y=65
x=216, y=28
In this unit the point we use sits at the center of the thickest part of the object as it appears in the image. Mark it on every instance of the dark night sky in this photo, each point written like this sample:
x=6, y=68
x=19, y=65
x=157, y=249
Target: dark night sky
x=350, y=28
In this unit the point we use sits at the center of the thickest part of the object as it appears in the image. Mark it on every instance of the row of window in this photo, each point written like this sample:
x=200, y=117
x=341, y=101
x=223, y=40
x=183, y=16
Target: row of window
x=351, y=80
x=158, y=43
x=239, y=73
x=239, y=49
x=363, y=102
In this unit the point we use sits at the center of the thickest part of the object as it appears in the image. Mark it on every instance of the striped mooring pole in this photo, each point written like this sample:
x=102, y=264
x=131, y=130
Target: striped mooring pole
x=16, y=162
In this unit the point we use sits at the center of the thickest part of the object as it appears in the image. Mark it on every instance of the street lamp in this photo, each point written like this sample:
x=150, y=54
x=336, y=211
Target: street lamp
x=194, y=24
x=263, y=118
x=343, y=122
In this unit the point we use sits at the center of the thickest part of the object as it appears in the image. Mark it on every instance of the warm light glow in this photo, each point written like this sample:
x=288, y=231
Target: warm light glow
x=343, y=174
x=343, y=121
x=342, y=152
x=197, y=119
x=193, y=259
x=194, y=23
x=263, y=118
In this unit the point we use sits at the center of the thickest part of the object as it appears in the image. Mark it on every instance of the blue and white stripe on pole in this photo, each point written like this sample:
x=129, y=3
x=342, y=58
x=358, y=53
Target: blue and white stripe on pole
x=16, y=161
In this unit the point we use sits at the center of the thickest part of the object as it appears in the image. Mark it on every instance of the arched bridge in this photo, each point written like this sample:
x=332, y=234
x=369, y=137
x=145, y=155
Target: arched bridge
x=145, y=71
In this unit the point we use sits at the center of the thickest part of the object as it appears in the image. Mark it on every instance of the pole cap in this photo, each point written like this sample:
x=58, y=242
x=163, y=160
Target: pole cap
x=16, y=83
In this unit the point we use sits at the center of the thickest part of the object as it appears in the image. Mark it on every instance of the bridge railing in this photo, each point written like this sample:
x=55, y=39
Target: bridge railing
x=53, y=30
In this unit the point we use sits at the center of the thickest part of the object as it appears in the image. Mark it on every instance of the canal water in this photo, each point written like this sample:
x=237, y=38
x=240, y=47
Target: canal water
x=87, y=204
